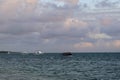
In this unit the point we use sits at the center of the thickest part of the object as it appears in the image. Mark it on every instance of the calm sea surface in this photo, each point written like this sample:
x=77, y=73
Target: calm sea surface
x=82, y=66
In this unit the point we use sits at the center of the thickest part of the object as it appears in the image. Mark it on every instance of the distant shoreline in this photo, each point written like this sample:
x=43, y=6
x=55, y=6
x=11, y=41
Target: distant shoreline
x=9, y=51
x=57, y=52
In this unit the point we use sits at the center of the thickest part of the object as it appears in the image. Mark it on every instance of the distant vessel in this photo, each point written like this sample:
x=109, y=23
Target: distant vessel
x=8, y=52
x=38, y=52
x=67, y=54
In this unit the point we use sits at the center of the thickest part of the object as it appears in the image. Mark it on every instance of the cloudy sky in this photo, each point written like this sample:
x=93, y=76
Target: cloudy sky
x=60, y=25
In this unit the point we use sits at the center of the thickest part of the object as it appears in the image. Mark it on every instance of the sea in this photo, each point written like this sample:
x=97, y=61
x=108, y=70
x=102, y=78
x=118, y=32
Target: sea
x=55, y=66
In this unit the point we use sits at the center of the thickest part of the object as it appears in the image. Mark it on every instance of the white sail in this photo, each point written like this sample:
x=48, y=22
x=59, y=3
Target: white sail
x=39, y=52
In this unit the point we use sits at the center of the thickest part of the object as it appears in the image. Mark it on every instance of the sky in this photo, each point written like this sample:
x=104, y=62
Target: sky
x=60, y=25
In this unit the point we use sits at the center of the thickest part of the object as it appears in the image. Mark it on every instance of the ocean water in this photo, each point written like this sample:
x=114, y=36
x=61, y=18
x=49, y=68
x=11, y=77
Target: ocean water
x=79, y=66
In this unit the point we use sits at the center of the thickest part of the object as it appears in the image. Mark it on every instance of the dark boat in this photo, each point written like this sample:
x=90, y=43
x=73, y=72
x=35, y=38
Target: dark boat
x=67, y=54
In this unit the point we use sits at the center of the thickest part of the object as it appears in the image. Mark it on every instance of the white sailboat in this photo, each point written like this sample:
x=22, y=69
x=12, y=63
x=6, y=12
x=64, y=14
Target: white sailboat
x=38, y=52
x=8, y=52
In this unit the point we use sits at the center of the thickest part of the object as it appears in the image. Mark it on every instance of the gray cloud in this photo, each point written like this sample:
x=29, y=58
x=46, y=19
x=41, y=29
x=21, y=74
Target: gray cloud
x=61, y=27
x=107, y=3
